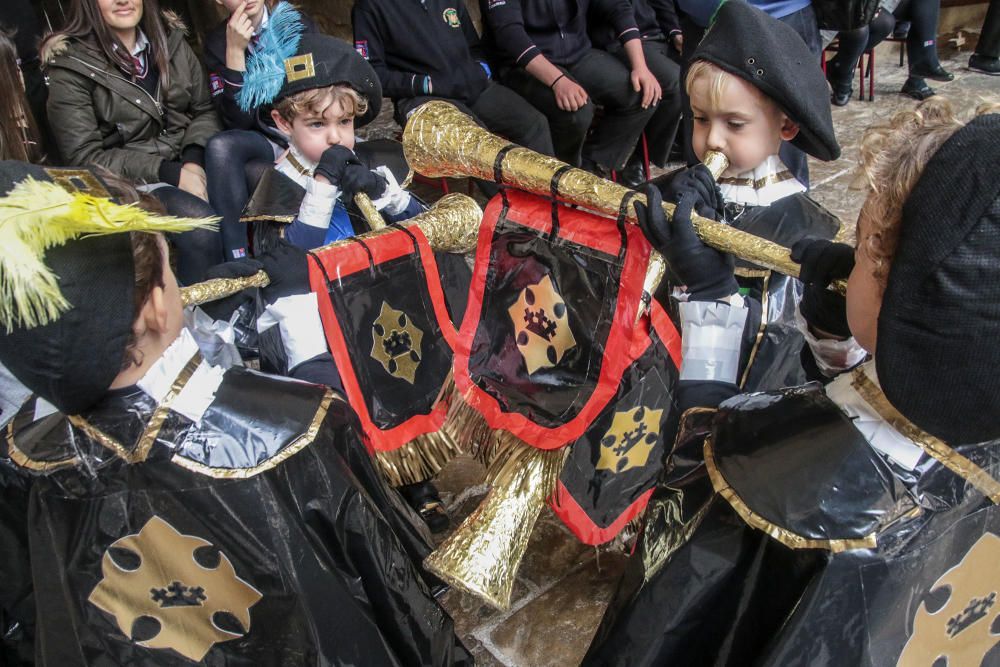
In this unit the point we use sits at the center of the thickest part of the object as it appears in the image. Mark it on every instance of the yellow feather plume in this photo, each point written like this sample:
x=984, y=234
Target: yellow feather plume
x=38, y=215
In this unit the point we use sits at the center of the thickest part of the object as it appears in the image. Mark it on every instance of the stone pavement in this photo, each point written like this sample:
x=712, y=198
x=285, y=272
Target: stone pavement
x=563, y=586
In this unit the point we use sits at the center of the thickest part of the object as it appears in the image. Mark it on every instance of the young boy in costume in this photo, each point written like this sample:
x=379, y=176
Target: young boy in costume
x=177, y=506
x=327, y=91
x=747, y=97
x=856, y=523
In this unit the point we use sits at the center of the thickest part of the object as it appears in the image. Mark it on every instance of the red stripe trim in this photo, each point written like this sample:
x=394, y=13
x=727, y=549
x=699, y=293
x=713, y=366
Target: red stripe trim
x=581, y=525
x=666, y=331
x=343, y=261
x=586, y=229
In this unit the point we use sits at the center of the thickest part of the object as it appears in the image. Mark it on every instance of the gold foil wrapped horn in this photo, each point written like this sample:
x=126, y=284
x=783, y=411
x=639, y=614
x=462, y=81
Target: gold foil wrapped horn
x=441, y=141
x=482, y=556
x=450, y=225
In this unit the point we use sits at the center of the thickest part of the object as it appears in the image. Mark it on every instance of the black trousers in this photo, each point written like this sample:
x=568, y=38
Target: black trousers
x=662, y=126
x=501, y=111
x=198, y=249
x=921, y=40
x=234, y=162
x=607, y=82
x=989, y=38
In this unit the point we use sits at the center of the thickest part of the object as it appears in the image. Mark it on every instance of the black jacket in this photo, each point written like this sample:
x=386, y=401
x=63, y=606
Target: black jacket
x=518, y=30
x=406, y=40
x=225, y=83
x=655, y=19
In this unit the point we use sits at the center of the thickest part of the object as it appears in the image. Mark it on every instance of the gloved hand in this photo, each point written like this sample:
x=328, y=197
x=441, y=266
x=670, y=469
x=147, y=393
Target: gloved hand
x=823, y=262
x=342, y=168
x=697, y=181
x=707, y=272
x=223, y=309
x=288, y=268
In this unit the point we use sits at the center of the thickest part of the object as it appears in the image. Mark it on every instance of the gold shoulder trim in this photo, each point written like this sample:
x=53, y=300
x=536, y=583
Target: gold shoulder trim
x=284, y=219
x=295, y=447
x=934, y=447
x=141, y=451
x=24, y=461
x=783, y=535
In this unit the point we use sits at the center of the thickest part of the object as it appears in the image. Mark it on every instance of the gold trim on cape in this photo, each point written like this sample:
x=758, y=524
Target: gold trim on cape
x=783, y=535
x=293, y=448
x=934, y=447
x=24, y=461
x=140, y=452
x=764, y=299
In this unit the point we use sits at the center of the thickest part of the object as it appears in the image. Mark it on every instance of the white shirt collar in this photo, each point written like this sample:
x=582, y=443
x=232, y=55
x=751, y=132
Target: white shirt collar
x=878, y=432
x=264, y=18
x=141, y=42
x=762, y=186
x=198, y=393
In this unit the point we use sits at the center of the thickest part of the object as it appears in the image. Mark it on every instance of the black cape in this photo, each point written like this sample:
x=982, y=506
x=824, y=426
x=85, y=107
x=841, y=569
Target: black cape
x=892, y=565
x=259, y=536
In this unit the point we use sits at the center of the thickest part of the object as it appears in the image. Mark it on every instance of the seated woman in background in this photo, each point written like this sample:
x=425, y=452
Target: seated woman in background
x=129, y=94
x=921, y=48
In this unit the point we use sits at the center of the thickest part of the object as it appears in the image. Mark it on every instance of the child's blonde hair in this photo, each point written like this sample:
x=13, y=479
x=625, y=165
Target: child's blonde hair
x=318, y=100
x=893, y=156
x=717, y=86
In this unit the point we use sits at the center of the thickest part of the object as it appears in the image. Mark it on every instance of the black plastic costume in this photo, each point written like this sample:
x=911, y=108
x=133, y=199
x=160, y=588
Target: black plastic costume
x=715, y=579
x=259, y=535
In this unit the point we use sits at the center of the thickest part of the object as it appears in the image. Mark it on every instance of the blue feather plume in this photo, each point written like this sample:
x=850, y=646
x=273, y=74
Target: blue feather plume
x=266, y=66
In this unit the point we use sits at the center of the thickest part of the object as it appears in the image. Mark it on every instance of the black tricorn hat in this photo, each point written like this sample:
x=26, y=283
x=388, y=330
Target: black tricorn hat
x=937, y=354
x=772, y=57
x=322, y=61
x=65, y=321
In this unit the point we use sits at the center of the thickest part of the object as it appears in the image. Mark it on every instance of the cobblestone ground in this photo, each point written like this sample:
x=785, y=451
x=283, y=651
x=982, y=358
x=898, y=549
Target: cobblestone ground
x=563, y=586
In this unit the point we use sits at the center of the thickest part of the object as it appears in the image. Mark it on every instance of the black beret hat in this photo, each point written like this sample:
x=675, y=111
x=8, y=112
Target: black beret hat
x=72, y=360
x=937, y=355
x=322, y=61
x=772, y=57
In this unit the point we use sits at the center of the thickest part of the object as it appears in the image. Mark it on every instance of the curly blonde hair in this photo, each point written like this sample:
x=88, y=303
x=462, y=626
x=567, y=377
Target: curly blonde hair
x=893, y=156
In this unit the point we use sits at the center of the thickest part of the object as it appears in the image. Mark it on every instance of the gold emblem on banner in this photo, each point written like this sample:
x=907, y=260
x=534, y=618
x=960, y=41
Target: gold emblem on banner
x=967, y=626
x=396, y=343
x=541, y=325
x=172, y=588
x=630, y=440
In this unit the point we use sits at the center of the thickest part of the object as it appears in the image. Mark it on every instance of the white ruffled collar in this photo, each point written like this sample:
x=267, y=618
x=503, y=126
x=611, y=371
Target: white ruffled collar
x=878, y=432
x=761, y=186
x=197, y=393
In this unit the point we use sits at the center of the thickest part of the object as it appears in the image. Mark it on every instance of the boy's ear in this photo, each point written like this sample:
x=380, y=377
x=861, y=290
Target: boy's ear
x=154, y=315
x=281, y=123
x=789, y=128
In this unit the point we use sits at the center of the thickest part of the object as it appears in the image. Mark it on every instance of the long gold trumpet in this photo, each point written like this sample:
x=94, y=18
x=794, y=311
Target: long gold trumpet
x=450, y=225
x=441, y=141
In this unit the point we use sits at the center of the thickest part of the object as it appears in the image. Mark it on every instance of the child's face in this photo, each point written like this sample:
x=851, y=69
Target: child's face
x=864, y=293
x=312, y=133
x=744, y=125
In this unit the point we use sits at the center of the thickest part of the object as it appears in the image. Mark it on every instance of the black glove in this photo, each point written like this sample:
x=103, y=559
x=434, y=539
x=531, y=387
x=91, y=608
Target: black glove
x=223, y=309
x=707, y=272
x=697, y=181
x=342, y=168
x=823, y=262
x=288, y=268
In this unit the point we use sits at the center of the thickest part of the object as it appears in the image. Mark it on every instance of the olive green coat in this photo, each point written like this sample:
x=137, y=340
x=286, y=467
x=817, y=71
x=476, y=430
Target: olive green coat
x=99, y=116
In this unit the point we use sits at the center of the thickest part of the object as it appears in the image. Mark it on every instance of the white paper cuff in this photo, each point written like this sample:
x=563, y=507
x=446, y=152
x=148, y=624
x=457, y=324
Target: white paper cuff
x=832, y=356
x=297, y=317
x=711, y=336
x=317, y=205
x=395, y=199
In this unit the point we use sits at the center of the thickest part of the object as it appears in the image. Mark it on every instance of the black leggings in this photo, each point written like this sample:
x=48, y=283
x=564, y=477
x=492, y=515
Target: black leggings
x=234, y=163
x=921, y=41
x=198, y=249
